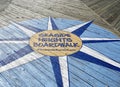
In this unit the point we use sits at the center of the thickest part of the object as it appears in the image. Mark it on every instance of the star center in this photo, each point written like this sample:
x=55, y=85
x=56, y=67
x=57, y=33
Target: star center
x=55, y=43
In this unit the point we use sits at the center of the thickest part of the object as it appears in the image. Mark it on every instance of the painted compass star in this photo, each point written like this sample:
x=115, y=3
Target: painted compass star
x=59, y=63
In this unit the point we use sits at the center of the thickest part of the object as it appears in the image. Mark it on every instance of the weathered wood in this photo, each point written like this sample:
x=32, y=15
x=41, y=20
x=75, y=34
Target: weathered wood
x=4, y=4
x=109, y=10
x=40, y=71
x=56, y=8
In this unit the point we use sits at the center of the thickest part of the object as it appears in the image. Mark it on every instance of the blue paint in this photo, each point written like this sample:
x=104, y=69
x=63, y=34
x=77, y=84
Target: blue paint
x=54, y=26
x=95, y=31
x=80, y=30
x=83, y=71
x=66, y=23
x=37, y=73
x=106, y=72
x=32, y=28
x=78, y=75
x=11, y=78
x=15, y=39
x=38, y=23
x=68, y=72
x=18, y=54
x=104, y=78
x=26, y=76
x=12, y=32
x=89, y=58
x=57, y=70
x=44, y=71
x=98, y=41
x=111, y=50
x=3, y=82
x=61, y=24
x=8, y=49
x=75, y=81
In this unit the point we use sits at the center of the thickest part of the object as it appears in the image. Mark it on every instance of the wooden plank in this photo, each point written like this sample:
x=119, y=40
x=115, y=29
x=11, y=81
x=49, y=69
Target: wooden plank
x=40, y=10
x=105, y=78
x=109, y=10
x=61, y=8
x=66, y=12
x=27, y=13
x=2, y=20
x=81, y=73
x=4, y=4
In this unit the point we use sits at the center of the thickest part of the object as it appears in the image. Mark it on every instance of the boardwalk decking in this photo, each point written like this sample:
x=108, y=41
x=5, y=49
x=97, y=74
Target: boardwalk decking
x=4, y=4
x=75, y=9
x=39, y=72
x=109, y=10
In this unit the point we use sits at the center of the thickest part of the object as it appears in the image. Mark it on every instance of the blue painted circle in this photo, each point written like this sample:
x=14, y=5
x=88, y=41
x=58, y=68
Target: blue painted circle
x=40, y=72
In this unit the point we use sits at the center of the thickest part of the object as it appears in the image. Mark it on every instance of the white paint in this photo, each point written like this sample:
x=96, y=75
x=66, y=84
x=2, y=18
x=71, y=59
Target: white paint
x=50, y=24
x=64, y=70
x=23, y=60
x=71, y=29
x=26, y=31
x=18, y=42
x=99, y=39
x=99, y=56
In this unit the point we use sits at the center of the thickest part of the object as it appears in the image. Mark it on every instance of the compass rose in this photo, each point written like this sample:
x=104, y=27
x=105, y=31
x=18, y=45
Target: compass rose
x=59, y=63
